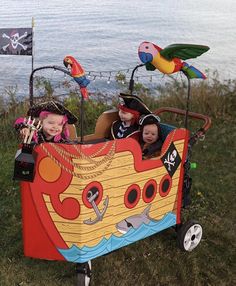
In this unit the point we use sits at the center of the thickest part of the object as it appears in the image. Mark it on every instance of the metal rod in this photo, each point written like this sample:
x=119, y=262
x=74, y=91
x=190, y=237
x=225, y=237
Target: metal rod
x=131, y=82
x=32, y=56
x=31, y=80
x=187, y=104
x=82, y=119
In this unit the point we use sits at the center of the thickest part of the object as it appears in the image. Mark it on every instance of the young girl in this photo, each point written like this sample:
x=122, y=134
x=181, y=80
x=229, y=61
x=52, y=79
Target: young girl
x=54, y=119
x=129, y=113
x=150, y=136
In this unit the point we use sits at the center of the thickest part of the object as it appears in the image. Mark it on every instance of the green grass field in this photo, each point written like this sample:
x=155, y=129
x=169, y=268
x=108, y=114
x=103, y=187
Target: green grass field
x=155, y=260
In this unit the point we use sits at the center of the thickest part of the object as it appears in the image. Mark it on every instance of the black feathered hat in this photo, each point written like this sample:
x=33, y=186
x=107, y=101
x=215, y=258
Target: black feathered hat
x=135, y=103
x=54, y=107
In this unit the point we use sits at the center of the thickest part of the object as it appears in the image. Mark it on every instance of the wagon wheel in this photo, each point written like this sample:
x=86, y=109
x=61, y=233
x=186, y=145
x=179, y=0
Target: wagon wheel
x=189, y=235
x=83, y=273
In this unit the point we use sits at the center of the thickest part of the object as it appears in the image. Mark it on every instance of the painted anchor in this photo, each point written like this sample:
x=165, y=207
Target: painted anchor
x=98, y=213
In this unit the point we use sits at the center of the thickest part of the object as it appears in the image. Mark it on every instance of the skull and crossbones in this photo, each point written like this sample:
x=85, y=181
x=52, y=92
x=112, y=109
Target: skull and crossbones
x=14, y=38
x=171, y=159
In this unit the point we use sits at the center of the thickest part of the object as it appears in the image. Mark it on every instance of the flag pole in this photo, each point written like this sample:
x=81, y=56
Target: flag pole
x=32, y=58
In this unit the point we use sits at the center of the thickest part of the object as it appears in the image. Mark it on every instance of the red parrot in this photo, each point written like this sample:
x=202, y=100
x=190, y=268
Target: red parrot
x=169, y=59
x=78, y=74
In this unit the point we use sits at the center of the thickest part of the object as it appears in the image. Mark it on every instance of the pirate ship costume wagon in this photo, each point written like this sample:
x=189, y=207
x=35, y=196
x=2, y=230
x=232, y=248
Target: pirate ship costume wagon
x=91, y=198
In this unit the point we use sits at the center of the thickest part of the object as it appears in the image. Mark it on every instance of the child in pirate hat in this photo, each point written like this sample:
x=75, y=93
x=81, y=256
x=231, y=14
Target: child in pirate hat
x=150, y=141
x=129, y=113
x=54, y=118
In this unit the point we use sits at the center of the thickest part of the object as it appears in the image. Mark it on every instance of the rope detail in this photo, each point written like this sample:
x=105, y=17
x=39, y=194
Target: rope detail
x=107, y=159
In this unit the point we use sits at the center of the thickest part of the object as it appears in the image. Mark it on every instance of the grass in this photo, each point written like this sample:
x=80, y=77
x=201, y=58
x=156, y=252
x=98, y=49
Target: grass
x=155, y=260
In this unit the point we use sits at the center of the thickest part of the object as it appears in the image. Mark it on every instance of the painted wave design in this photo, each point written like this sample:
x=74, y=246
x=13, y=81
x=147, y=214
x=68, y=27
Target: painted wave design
x=79, y=255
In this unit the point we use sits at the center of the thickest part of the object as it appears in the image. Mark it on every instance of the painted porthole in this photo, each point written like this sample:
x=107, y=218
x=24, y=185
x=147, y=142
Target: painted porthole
x=90, y=190
x=165, y=186
x=132, y=196
x=149, y=191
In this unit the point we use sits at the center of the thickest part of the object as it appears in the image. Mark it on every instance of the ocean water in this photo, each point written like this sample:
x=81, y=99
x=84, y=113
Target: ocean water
x=104, y=35
x=76, y=254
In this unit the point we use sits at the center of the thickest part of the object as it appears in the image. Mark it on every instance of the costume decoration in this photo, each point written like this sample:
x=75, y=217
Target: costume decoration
x=120, y=130
x=53, y=107
x=149, y=119
x=78, y=74
x=132, y=111
x=169, y=59
x=134, y=105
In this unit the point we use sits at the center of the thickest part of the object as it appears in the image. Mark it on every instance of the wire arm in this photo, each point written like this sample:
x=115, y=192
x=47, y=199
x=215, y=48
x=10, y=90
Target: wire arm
x=131, y=82
x=31, y=80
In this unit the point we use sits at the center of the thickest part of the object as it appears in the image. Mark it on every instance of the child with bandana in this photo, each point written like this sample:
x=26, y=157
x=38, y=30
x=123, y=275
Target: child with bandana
x=129, y=113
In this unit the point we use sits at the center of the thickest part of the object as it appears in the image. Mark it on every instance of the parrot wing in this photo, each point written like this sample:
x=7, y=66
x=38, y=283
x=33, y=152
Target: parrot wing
x=183, y=51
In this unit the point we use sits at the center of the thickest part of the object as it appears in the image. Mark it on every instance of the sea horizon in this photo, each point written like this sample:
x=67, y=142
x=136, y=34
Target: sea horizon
x=104, y=36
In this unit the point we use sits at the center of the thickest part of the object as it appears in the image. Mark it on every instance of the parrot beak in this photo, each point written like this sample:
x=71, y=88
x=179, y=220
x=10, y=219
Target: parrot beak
x=145, y=57
x=65, y=63
x=68, y=61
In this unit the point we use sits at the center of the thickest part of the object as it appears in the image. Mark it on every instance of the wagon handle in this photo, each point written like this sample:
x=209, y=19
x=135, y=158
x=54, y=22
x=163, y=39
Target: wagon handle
x=31, y=80
x=207, y=119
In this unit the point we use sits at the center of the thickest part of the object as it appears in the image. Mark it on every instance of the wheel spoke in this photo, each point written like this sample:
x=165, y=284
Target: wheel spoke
x=187, y=244
x=188, y=235
x=192, y=230
x=198, y=231
x=196, y=241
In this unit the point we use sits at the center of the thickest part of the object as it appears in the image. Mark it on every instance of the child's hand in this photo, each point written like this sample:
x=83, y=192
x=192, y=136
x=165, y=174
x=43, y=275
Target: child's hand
x=24, y=132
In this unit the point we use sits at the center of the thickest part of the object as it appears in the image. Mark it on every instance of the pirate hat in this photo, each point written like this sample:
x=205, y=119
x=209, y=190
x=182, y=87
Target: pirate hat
x=54, y=107
x=149, y=119
x=135, y=103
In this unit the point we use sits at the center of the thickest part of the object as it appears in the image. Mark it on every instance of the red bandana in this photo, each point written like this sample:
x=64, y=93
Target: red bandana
x=132, y=111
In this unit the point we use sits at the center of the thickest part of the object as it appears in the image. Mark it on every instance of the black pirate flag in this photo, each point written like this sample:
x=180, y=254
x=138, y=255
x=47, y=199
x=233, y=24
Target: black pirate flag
x=16, y=41
x=171, y=160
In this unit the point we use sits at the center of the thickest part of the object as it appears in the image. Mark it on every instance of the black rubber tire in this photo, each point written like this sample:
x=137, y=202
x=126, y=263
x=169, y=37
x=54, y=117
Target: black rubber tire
x=81, y=279
x=83, y=274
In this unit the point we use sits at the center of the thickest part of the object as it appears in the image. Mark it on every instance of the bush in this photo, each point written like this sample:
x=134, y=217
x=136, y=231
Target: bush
x=211, y=97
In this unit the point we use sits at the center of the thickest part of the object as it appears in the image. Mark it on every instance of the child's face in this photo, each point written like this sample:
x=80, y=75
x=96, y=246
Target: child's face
x=125, y=116
x=150, y=133
x=52, y=125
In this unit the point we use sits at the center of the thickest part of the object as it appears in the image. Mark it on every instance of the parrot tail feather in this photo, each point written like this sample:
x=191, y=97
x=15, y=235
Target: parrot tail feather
x=192, y=72
x=84, y=92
